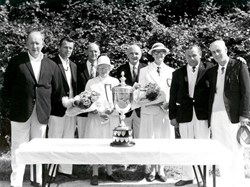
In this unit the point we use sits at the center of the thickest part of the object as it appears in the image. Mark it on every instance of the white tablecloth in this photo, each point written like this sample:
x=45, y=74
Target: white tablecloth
x=146, y=151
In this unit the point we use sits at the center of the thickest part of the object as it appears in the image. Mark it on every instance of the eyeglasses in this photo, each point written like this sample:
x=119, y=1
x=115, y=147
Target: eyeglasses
x=159, y=52
x=103, y=69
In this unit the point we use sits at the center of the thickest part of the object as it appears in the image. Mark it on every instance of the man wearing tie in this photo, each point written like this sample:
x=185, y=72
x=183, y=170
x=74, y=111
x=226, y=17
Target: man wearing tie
x=132, y=71
x=228, y=108
x=188, y=105
x=86, y=71
x=60, y=125
x=30, y=80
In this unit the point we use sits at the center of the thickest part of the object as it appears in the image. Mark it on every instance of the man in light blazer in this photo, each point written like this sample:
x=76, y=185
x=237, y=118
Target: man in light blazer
x=131, y=70
x=29, y=82
x=60, y=125
x=188, y=105
x=228, y=108
x=83, y=75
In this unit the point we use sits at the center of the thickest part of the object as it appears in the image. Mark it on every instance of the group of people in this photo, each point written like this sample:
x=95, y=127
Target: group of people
x=203, y=100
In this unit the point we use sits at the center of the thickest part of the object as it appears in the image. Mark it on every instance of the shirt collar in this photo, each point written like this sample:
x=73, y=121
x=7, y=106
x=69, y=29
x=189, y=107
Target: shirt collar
x=132, y=66
x=39, y=58
x=191, y=67
x=65, y=62
x=156, y=65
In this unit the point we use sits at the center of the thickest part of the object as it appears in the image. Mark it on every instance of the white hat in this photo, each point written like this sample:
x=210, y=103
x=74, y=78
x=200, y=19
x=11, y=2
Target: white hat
x=158, y=46
x=243, y=136
x=104, y=60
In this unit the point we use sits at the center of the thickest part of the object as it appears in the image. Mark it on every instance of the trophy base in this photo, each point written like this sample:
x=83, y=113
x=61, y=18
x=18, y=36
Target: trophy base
x=118, y=144
x=122, y=136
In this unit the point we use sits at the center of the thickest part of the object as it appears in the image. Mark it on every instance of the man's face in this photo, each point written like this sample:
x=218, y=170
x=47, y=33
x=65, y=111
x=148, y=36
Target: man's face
x=219, y=53
x=134, y=55
x=193, y=56
x=66, y=49
x=93, y=52
x=35, y=44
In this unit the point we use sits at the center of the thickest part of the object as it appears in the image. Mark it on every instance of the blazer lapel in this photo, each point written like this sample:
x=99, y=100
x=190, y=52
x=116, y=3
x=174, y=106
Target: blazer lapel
x=28, y=64
x=129, y=75
x=153, y=73
x=73, y=72
x=228, y=70
x=201, y=72
x=184, y=75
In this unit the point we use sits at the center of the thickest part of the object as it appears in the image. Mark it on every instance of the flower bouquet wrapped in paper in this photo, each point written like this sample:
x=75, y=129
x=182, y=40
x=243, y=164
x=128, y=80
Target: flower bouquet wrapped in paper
x=82, y=103
x=149, y=95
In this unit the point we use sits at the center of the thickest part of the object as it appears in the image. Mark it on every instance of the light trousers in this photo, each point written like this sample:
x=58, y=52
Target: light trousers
x=62, y=127
x=133, y=122
x=23, y=133
x=225, y=132
x=195, y=129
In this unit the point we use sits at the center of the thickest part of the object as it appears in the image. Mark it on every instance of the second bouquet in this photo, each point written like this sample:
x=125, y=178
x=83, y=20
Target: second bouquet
x=82, y=103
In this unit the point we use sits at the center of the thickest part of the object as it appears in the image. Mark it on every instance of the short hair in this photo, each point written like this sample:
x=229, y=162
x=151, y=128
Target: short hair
x=38, y=31
x=195, y=46
x=94, y=43
x=220, y=42
x=133, y=45
x=67, y=39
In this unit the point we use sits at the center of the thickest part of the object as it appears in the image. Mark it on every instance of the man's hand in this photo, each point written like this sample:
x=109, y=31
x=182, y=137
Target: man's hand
x=174, y=123
x=244, y=120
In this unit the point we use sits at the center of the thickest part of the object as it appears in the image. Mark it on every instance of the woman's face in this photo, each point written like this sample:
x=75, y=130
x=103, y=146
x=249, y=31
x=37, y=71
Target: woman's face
x=159, y=56
x=103, y=70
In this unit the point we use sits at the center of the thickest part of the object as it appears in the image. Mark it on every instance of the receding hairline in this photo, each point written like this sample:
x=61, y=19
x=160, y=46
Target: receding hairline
x=218, y=42
x=93, y=44
x=133, y=46
x=35, y=32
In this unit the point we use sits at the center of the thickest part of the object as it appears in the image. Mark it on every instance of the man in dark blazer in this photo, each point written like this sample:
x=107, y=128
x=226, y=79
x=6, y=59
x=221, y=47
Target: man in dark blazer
x=228, y=108
x=30, y=80
x=60, y=125
x=86, y=71
x=188, y=105
x=131, y=70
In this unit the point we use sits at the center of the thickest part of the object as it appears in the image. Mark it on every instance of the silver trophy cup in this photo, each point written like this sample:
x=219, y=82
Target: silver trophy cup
x=122, y=99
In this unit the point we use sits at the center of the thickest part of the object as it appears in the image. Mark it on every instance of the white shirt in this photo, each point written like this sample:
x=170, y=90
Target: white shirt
x=132, y=68
x=89, y=65
x=67, y=71
x=36, y=65
x=219, y=104
x=192, y=76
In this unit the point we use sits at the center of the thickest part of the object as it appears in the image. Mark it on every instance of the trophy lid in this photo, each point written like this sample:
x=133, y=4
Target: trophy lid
x=122, y=87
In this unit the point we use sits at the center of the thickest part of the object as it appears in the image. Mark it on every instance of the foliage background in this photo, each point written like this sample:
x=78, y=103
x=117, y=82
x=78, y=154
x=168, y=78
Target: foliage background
x=118, y=23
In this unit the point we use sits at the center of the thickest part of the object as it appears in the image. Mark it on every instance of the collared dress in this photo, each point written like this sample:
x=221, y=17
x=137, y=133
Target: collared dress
x=96, y=127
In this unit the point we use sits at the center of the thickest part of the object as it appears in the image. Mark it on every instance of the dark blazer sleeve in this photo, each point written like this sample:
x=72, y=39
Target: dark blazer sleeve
x=173, y=96
x=245, y=90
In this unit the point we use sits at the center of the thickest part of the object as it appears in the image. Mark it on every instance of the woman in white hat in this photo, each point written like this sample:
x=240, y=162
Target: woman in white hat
x=154, y=119
x=100, y=124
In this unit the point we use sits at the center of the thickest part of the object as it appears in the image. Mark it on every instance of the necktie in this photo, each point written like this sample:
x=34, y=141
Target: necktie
x=134, y=73
x=193, y=69
x=158, y=70
x=222, y=69
x=92, y=71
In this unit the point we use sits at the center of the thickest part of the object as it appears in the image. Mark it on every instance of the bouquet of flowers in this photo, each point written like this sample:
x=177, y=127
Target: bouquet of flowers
x=148, y=95
x=85, y=99
x=82, y=103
